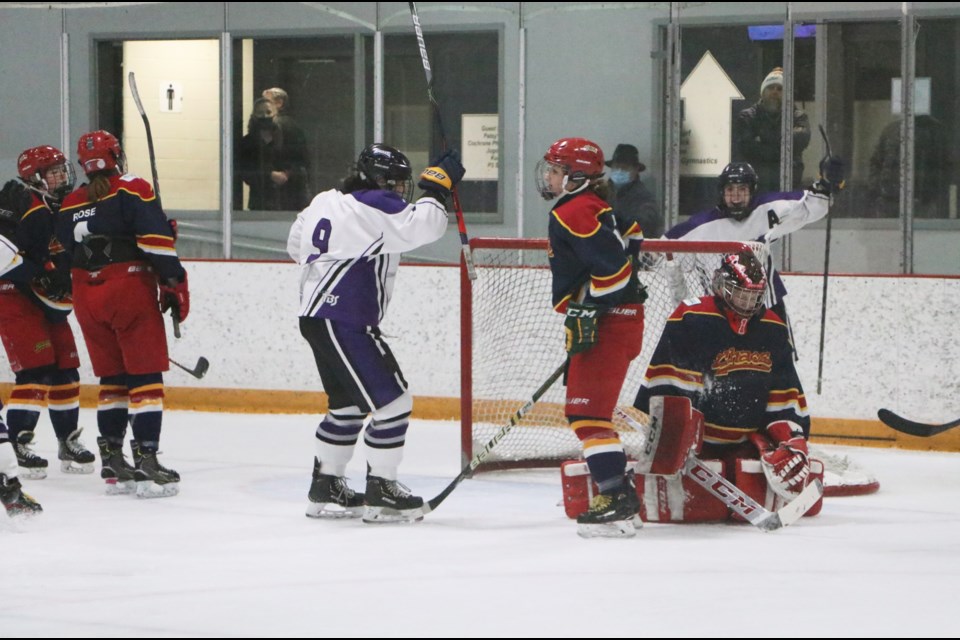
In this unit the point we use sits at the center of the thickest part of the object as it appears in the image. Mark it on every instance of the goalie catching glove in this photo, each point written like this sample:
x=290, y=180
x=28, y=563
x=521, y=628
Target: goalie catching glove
x=175, y=295
x=580, y=325
x=443, y=175
x=784, y=457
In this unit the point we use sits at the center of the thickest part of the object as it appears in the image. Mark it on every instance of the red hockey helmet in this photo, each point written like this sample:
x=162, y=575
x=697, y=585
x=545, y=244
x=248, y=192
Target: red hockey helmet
x=581, y=160
x=45, y=169
x=100, y=151
x=741, y=283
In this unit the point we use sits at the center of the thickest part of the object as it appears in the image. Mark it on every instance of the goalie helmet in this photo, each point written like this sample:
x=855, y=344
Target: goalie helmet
x=737, y=173
x=387, y=168
x=741, y=283
x=100, y=151
x=45, y=169
x=571, y=160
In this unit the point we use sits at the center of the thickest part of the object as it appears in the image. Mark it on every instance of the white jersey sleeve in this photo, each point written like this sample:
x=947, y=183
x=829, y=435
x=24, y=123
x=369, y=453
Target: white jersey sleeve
x=10, y=258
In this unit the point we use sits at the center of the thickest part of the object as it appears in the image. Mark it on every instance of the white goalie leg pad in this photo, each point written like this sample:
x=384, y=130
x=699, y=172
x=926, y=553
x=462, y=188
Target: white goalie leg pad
x=676, y=432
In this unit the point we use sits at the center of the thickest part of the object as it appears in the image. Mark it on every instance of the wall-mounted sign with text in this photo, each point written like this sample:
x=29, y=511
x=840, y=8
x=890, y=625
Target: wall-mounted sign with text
x=480, y=149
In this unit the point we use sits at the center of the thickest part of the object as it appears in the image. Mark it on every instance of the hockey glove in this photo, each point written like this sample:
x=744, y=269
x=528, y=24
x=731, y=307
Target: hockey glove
x=580, y=326
x=15, y=197
x=443, y=175
x=174, y=229
x=176, y=296
x=831, y=176
x=54, y=285
x=784, y=457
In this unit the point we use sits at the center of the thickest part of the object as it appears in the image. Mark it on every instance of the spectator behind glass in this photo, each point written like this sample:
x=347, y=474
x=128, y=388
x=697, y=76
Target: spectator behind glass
x=932, y=166
x=633, y=201
x=293, y=135
x=274, y=170
x=757, y=134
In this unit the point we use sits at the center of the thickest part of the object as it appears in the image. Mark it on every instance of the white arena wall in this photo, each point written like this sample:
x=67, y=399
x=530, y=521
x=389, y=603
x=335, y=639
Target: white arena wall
x=890, y=341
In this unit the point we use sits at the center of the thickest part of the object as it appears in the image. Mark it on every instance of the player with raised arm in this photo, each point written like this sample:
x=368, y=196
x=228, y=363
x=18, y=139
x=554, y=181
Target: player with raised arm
x=595, y=285
x=348, y=243
x=731, y=357
x=33, y=314
x=743, y=214
x=122, y=246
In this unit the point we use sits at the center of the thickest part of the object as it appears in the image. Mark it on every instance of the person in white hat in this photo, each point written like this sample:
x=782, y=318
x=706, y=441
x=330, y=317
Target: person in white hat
x=757, y=134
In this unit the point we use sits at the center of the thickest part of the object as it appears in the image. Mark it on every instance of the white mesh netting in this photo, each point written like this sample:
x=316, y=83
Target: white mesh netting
x=517, y=341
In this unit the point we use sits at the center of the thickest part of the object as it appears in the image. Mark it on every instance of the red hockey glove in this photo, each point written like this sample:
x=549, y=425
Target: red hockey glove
x=784, y=457
x=175, y=295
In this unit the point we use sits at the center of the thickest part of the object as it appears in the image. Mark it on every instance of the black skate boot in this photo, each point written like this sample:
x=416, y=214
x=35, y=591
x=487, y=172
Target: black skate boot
x=153, y=479
x=16, y=502
x=331, y=497
x=390, y=501
x=116, y=471
x=31, y=465
x=74, y=457
x=613, y=514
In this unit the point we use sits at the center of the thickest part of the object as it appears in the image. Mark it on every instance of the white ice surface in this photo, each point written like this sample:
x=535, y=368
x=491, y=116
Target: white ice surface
x=233, y=554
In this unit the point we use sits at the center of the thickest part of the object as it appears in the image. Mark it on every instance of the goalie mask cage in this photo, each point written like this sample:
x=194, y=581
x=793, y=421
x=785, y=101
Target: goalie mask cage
x=512, y=340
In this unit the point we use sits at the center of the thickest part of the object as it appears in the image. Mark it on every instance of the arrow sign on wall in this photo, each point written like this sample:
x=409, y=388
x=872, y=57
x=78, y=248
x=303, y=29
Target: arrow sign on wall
x=705, y=133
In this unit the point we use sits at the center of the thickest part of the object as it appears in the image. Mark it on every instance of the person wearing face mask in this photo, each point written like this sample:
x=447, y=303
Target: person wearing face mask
x=632, y=200
x=757, y=134
x=274, y=167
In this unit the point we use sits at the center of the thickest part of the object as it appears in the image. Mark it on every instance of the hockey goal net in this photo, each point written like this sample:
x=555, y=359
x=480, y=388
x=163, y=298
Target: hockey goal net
x=512, y=340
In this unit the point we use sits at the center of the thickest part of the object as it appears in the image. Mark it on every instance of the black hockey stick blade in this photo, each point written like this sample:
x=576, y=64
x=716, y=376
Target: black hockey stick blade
x=912, y=428
x=430, y=505
x=198, y=371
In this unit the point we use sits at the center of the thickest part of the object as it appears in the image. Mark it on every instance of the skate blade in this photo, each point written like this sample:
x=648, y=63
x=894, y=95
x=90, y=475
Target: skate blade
x=386, y=515
x=69, y=466
x=619, y=529
x=150, y=489
x=33, y=473
x=332, y=511
x=118, y=488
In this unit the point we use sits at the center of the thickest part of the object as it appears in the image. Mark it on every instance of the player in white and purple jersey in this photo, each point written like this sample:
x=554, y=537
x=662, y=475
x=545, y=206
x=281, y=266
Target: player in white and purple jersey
x=348, y=243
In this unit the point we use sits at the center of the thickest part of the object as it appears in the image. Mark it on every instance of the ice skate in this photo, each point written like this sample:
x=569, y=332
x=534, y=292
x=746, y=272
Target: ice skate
x=389, y=501
x=15, y=501
x=153, y=479
x=31, y=465
x=115, y=470
x=612, y=515
x=331, y=497
x=74, y=457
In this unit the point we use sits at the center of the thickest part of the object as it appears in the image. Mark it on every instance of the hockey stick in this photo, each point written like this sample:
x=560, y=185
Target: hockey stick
x=461, y=225
x=826, y=272
x=500, y=435
x=912, y=428
x=132, y=81
x=735, y=499
x=198, y=371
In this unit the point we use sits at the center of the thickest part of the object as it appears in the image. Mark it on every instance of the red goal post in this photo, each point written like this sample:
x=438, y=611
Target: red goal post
x=512, y=339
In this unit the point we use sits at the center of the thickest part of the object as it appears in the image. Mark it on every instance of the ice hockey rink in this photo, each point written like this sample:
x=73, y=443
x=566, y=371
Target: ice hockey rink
x=233, y=554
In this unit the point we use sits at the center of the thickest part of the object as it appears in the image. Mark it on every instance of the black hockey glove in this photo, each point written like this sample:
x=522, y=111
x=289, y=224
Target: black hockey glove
x=15, y=197
x=54, y=285
x=580, y=326
x=443, y=174
x=831, y=176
